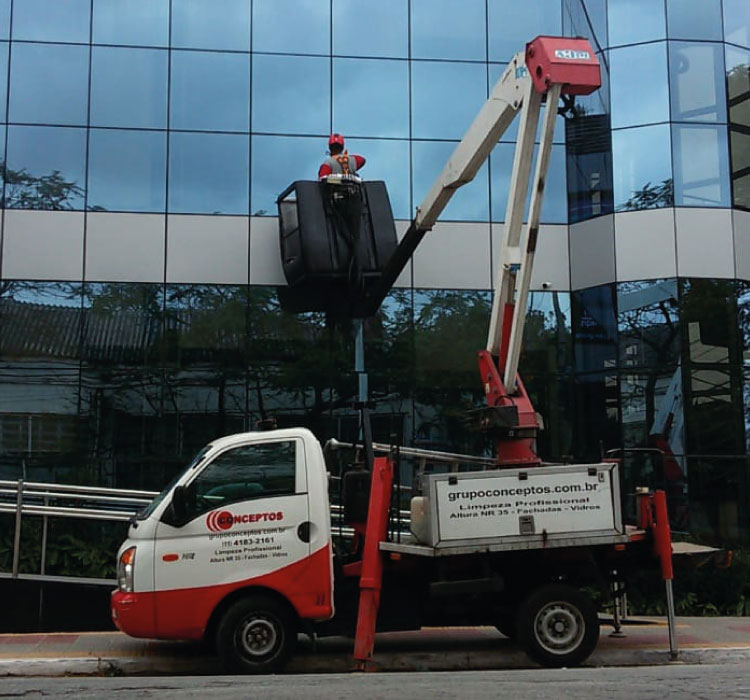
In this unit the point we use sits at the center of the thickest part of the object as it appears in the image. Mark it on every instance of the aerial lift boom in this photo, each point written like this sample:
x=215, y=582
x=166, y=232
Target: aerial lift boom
x=550, y=67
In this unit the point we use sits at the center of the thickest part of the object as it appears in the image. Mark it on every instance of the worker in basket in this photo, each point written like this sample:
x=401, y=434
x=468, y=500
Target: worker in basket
x=343, y=199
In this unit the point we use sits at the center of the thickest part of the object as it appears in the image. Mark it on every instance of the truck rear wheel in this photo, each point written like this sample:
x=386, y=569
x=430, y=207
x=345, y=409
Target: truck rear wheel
x=558, y=626
x=256, y=635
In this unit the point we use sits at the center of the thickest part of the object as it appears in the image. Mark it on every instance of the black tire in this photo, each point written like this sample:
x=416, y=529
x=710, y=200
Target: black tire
x=256, y=634
x=558, y=626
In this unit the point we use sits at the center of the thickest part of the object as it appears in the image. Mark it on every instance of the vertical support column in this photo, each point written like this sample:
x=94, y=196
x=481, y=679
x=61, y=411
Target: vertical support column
x=17, y=534
x=371, y=580
x=663, y=548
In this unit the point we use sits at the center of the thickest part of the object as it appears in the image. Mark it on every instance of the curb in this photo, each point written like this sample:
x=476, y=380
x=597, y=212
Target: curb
x=340, y=663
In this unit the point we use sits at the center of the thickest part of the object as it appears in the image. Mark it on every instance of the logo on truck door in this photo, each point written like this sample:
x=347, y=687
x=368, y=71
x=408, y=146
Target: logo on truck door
x=219, y=520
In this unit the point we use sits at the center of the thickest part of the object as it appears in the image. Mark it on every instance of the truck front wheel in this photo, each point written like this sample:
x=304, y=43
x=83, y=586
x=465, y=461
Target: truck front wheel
x=558, y=626
x=255, y=635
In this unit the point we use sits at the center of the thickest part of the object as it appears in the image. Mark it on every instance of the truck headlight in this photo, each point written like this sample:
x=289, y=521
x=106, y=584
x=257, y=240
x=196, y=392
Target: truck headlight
x=125, y=569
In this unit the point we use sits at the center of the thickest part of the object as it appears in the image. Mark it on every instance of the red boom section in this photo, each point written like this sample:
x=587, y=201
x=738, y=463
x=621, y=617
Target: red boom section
x=569, y=62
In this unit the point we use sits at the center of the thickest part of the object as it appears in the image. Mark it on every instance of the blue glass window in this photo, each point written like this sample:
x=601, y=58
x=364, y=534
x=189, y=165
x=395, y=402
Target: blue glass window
x=513, y=24
x=301, y=26
x=371, y=28
x=131, y=22
x=469, y=203
x=738, y=85
x=446, y=98
x=197, y=24
x=210, y=91
x=5, y=19
x=291, y=94
x=697, y=82
x=642, y=168
x=129, y=87
x=279, y=160
x=127, y=170
x=208, y=173
x=46, y=168
x=447, y=29
x=632, y=21
x=371, y=97
x=388, y=161
x=687, y=19
x=589, y=20
x=4, y=49
x=52, y=20
x=555, y=202
x=701, y=166
x=49, y=84
x=737, y=22
x=635, y=100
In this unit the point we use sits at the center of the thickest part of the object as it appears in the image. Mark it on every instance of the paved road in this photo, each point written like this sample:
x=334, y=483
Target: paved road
x=652, y=683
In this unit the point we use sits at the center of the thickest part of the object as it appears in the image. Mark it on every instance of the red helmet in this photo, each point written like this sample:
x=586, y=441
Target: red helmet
x=335, y=139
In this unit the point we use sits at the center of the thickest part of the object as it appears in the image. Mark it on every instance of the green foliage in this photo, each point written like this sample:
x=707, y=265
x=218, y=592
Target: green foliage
x=705, y=591
x=74, y=548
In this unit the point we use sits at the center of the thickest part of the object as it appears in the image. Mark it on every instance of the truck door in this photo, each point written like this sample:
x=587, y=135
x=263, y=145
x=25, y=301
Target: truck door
x=246, y=520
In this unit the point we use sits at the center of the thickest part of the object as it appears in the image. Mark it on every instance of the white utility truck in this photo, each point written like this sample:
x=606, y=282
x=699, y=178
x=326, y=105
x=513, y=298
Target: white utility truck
x=240, y=548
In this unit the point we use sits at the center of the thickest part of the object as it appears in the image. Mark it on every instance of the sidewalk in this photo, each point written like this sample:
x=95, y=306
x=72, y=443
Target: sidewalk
x=646, y=642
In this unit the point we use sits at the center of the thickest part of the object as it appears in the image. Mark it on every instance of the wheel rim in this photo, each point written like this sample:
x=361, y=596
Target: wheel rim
x=258, y=636
x=559, y=627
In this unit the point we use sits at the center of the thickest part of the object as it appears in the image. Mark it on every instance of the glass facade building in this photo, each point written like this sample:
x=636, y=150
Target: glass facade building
x=144, y=143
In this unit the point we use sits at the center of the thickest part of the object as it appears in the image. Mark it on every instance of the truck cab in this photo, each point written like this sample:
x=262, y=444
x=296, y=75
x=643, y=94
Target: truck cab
x=247, y=520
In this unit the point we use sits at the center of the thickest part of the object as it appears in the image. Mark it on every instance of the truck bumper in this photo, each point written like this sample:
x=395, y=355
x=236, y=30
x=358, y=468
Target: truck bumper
x=134, y=613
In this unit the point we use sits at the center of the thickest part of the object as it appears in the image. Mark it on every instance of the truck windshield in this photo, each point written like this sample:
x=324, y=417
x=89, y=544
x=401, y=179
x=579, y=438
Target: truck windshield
x=151, y=507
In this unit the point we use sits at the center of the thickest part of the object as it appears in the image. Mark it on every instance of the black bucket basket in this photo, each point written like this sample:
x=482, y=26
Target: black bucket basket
x=317, y=259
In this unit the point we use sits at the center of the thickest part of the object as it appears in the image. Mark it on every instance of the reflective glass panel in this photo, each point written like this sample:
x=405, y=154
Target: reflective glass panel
x=555, y=202
x=386, y=23
x=371, y=97
x=129, y=87
x=737, y=22
x=46, y=168
x=697, y=86
x=469, y=203
x=4, y=49
x=594, y=328
x=49, y=84
x=52, y=20
x=513, y=24
x=208, y=173
x=388, y=161
x=207, y=326
x=740, y=150
x=131, y=22
x=642, y=168
x=123, y=326
x=635, y=100
x=687, y=19
x=446, y=29
x=302, y=26
x=648, y=321
x=589, y=155
x=445, y=98
x=633, y=21
x=701, y=166
x=209, y=91
x=587, y=18
x=127, y=170
x=547, y=340
x=197, y=24
x=5, y=19
x=291, y=94
x=271, y=156
x=743, y=309
x=738, y=85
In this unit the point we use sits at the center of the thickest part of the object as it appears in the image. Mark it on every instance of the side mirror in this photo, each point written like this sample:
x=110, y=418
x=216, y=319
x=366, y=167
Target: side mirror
x=179, y=503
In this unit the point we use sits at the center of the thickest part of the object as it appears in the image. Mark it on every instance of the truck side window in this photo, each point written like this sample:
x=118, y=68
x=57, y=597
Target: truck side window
x=241, y=473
